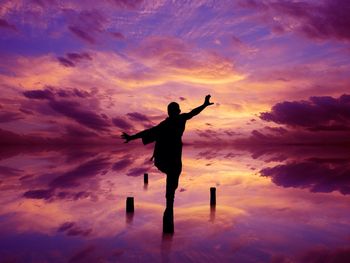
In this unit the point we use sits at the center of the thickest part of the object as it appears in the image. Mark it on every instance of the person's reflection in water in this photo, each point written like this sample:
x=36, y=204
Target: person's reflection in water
x=168, y=149
x=167, y=240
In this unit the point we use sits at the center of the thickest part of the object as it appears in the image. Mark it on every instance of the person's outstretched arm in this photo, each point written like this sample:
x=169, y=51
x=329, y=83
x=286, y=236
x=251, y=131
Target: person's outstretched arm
x=147, y=136
x=198, y=110
x=129, y=138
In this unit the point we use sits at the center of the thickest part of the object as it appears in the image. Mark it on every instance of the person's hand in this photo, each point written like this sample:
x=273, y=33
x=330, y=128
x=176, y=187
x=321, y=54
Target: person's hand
x=207, y=102
x=126, y=137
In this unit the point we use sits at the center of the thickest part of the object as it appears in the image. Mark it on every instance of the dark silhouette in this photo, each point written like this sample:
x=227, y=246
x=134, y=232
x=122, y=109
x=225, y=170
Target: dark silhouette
x=168, y=148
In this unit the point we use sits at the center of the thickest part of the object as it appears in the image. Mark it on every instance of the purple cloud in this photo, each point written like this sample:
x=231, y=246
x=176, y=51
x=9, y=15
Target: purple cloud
x=11, y=138
x=65, y=226
x=276, y=130
x=65, y=62
x=119, y=122
x=39, y=194
x=136, y=116
x=72, y=93
x=72, y=58
x=74, y=131
x=317, y=113
x=39, y=94
x=26, y=111
x=9, y=171
x=315, y=174
x=9, y=116
x=80, y=33
x=87, y=25
x=79, y=56
x=210, y=134
x=85, y=117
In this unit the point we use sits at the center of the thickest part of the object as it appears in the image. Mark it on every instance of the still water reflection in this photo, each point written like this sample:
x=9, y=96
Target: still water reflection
x=273, y=205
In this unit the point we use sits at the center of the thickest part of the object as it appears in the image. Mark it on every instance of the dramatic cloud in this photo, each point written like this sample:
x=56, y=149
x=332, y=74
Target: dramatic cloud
x=71, y=108
x=88, y=118
x=318, y=175
x=318, y=113
x=316, y=20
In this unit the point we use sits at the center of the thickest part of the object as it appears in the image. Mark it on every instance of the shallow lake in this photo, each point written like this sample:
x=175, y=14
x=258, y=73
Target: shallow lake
x=274, y=204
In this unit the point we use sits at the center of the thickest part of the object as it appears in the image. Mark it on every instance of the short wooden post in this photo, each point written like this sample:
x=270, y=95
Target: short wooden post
x=145, y=178
x=212, y=196
x=130, y=204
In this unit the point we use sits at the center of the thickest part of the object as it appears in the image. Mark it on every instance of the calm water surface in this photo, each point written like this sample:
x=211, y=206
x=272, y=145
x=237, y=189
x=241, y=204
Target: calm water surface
x=286, y=204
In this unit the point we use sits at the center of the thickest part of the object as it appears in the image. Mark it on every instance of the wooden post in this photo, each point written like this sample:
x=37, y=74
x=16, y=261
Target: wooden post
x=130, y=204
x=145, y=178
x=212, y=196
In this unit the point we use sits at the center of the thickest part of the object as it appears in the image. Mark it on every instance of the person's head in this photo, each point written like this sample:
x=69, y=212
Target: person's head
x=173, y=109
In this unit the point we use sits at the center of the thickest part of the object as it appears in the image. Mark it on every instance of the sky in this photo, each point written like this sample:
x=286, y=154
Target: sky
x=85, y=71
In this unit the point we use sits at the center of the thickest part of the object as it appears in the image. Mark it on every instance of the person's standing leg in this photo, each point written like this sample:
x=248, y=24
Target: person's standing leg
x=172, y=182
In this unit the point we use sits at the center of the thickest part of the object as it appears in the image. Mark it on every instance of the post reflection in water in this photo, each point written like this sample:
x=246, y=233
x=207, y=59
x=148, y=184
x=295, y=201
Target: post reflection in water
x=212, y=213
x=287, y=204
x=129, y=217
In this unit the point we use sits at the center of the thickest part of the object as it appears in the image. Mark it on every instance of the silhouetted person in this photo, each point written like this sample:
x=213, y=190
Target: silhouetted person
x=168, y=145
